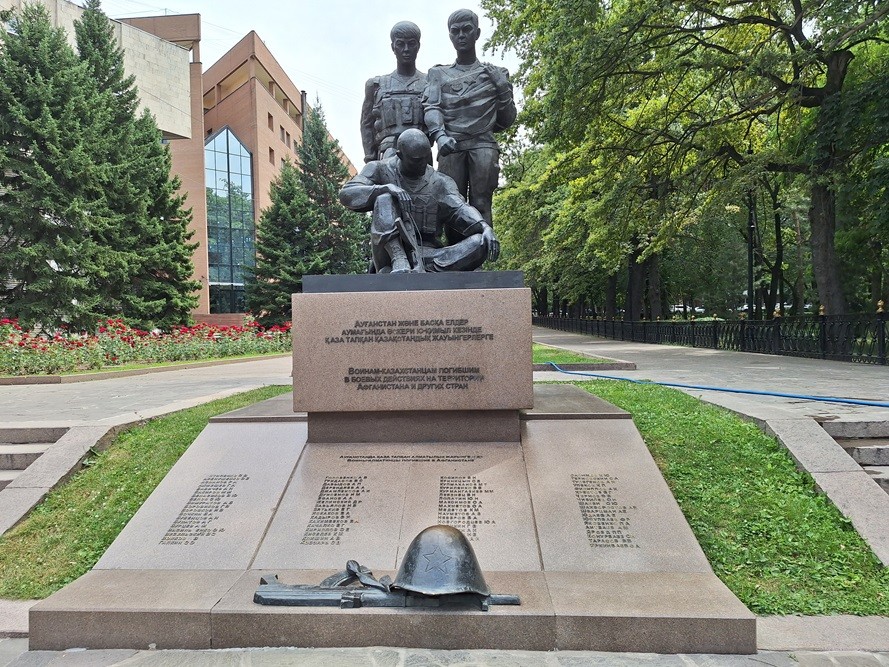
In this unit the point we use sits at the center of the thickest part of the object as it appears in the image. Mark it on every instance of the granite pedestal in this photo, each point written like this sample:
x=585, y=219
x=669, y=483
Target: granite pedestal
x=554, y=488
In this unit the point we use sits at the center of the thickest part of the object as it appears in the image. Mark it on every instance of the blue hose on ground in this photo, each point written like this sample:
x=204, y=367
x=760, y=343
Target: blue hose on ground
x=755, y=392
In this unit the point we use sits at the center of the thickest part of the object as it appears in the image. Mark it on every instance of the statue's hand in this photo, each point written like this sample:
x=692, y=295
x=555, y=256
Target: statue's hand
x=490, y=239
x=404, y=199
x=499, y=77
x=446, y=145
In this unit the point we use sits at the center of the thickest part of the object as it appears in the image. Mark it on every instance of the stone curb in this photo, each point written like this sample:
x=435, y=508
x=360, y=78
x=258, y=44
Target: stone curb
x=609, y=366
x=852, y=491
x=65, y=457
x=107, y=375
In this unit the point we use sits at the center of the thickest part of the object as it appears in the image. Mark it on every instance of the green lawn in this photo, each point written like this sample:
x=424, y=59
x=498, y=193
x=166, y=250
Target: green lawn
x=67, y=533
x=779, y=545
x=542, y=354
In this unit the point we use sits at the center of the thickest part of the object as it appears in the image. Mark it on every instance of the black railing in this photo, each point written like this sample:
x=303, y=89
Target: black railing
x=858, y=338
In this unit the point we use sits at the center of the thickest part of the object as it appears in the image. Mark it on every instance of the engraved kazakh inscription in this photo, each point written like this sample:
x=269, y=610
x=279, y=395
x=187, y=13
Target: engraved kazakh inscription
x=607, y=523
x=213, y=496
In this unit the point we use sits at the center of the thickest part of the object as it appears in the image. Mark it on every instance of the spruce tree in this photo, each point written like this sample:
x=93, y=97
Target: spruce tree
x=48, y=251
x=289, y=244
x=305, y=231
x=148, y=268
x=323, y=174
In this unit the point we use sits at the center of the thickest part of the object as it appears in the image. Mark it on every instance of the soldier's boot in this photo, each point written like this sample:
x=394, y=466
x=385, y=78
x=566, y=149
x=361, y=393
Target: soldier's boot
x=398, y=256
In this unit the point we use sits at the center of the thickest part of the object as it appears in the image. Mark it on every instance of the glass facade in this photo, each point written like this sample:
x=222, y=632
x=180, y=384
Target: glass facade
x=230, y=228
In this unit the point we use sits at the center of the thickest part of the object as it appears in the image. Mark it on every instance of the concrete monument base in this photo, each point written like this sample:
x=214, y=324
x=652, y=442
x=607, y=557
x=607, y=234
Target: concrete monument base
x=574, y=517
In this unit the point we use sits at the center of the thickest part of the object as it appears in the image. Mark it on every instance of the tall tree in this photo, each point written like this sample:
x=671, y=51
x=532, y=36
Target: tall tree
x=148, y=259
x=48, y=251
x=323, y=173
x=291, y=241
x=305, y=230
x=693, y=91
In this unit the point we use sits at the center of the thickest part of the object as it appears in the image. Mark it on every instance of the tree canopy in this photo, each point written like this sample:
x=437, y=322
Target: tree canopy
x=664, y=119
x=93, y=225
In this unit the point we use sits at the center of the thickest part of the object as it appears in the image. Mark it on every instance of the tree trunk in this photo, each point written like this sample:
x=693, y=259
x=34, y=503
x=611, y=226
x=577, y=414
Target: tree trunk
x=655, y=301
x=611, y=297
x=876, y=276
x=635, y=285
x=822, y=220
x=541, y=302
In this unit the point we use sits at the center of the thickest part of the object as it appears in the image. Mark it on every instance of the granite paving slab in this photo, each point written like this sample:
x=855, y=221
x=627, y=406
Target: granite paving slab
x=211, y=511
x=600, y=502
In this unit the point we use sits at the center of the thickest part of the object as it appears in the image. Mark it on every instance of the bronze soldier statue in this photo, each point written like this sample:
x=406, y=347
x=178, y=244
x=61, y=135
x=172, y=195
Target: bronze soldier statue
x=464, y=104
x=392, y=102
x=415, y=211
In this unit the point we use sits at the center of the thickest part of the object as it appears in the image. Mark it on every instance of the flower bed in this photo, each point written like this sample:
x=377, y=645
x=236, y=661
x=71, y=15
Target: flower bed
x=116, y=344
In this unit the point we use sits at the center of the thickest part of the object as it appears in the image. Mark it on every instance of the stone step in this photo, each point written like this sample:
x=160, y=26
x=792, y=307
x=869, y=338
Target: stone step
x=867, y=451
x=20, y=456
x=6, y=476
x=880, y=474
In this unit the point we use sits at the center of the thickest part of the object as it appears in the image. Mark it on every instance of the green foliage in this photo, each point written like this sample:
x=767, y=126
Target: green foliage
x=91, y=222
x=69, y=531
x=777, y=543
x=305, y=231
x=145, y=235
x=47, y=212
x=655, y=117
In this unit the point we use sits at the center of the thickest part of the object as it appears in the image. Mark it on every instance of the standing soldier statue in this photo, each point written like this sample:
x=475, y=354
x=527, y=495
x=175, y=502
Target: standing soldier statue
x=464, y=104
x=392, y=102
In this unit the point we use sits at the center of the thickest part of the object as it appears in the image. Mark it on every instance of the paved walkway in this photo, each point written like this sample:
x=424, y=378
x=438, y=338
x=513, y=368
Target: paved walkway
x=119, y=399
x=742, y=370
x=788, y=641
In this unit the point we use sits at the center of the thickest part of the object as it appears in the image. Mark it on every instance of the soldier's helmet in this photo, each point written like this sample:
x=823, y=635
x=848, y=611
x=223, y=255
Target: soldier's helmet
x=441, y=561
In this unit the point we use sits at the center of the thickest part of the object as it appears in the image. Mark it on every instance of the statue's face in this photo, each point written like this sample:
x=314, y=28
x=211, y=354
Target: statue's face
x=414, y=160
x=464, y=35
x=406, y=49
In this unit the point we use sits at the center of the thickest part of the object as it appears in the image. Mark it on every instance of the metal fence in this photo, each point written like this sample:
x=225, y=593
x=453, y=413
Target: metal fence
x=858, y=338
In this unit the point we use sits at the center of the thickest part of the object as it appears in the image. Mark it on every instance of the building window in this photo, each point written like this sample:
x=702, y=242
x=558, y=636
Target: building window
x=287, y=139
x=282, y=134
x=271, y=122
x=230, y=229
x=272, y=155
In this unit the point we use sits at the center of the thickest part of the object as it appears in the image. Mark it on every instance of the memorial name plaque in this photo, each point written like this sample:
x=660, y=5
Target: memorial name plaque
x=607, y=523
x=416, y=350
x=212, y=509
x=623, y=518
x=367, y=502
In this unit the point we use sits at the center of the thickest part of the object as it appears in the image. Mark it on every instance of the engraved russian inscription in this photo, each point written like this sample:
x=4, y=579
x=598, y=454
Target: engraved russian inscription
x=607, y=523
x=334, y=509
x=461, y=504
x=213, y=496
x=416, y=378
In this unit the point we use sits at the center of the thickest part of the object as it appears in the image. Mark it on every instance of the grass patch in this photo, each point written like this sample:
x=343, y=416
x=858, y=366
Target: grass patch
x=780, y=546
x=542, y=354
x=67, y=533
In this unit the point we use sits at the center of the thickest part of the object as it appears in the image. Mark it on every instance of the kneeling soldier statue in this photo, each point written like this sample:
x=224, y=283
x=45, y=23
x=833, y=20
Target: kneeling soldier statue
x=420, y=221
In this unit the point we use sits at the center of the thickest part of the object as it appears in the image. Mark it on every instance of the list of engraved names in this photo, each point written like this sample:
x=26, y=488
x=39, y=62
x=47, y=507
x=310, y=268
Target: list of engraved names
x=334, y=509
x=461, y=504
x=607, y=523
x=214, y=495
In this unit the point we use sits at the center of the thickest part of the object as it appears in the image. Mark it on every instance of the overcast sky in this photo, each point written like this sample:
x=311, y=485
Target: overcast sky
x=328, y=47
